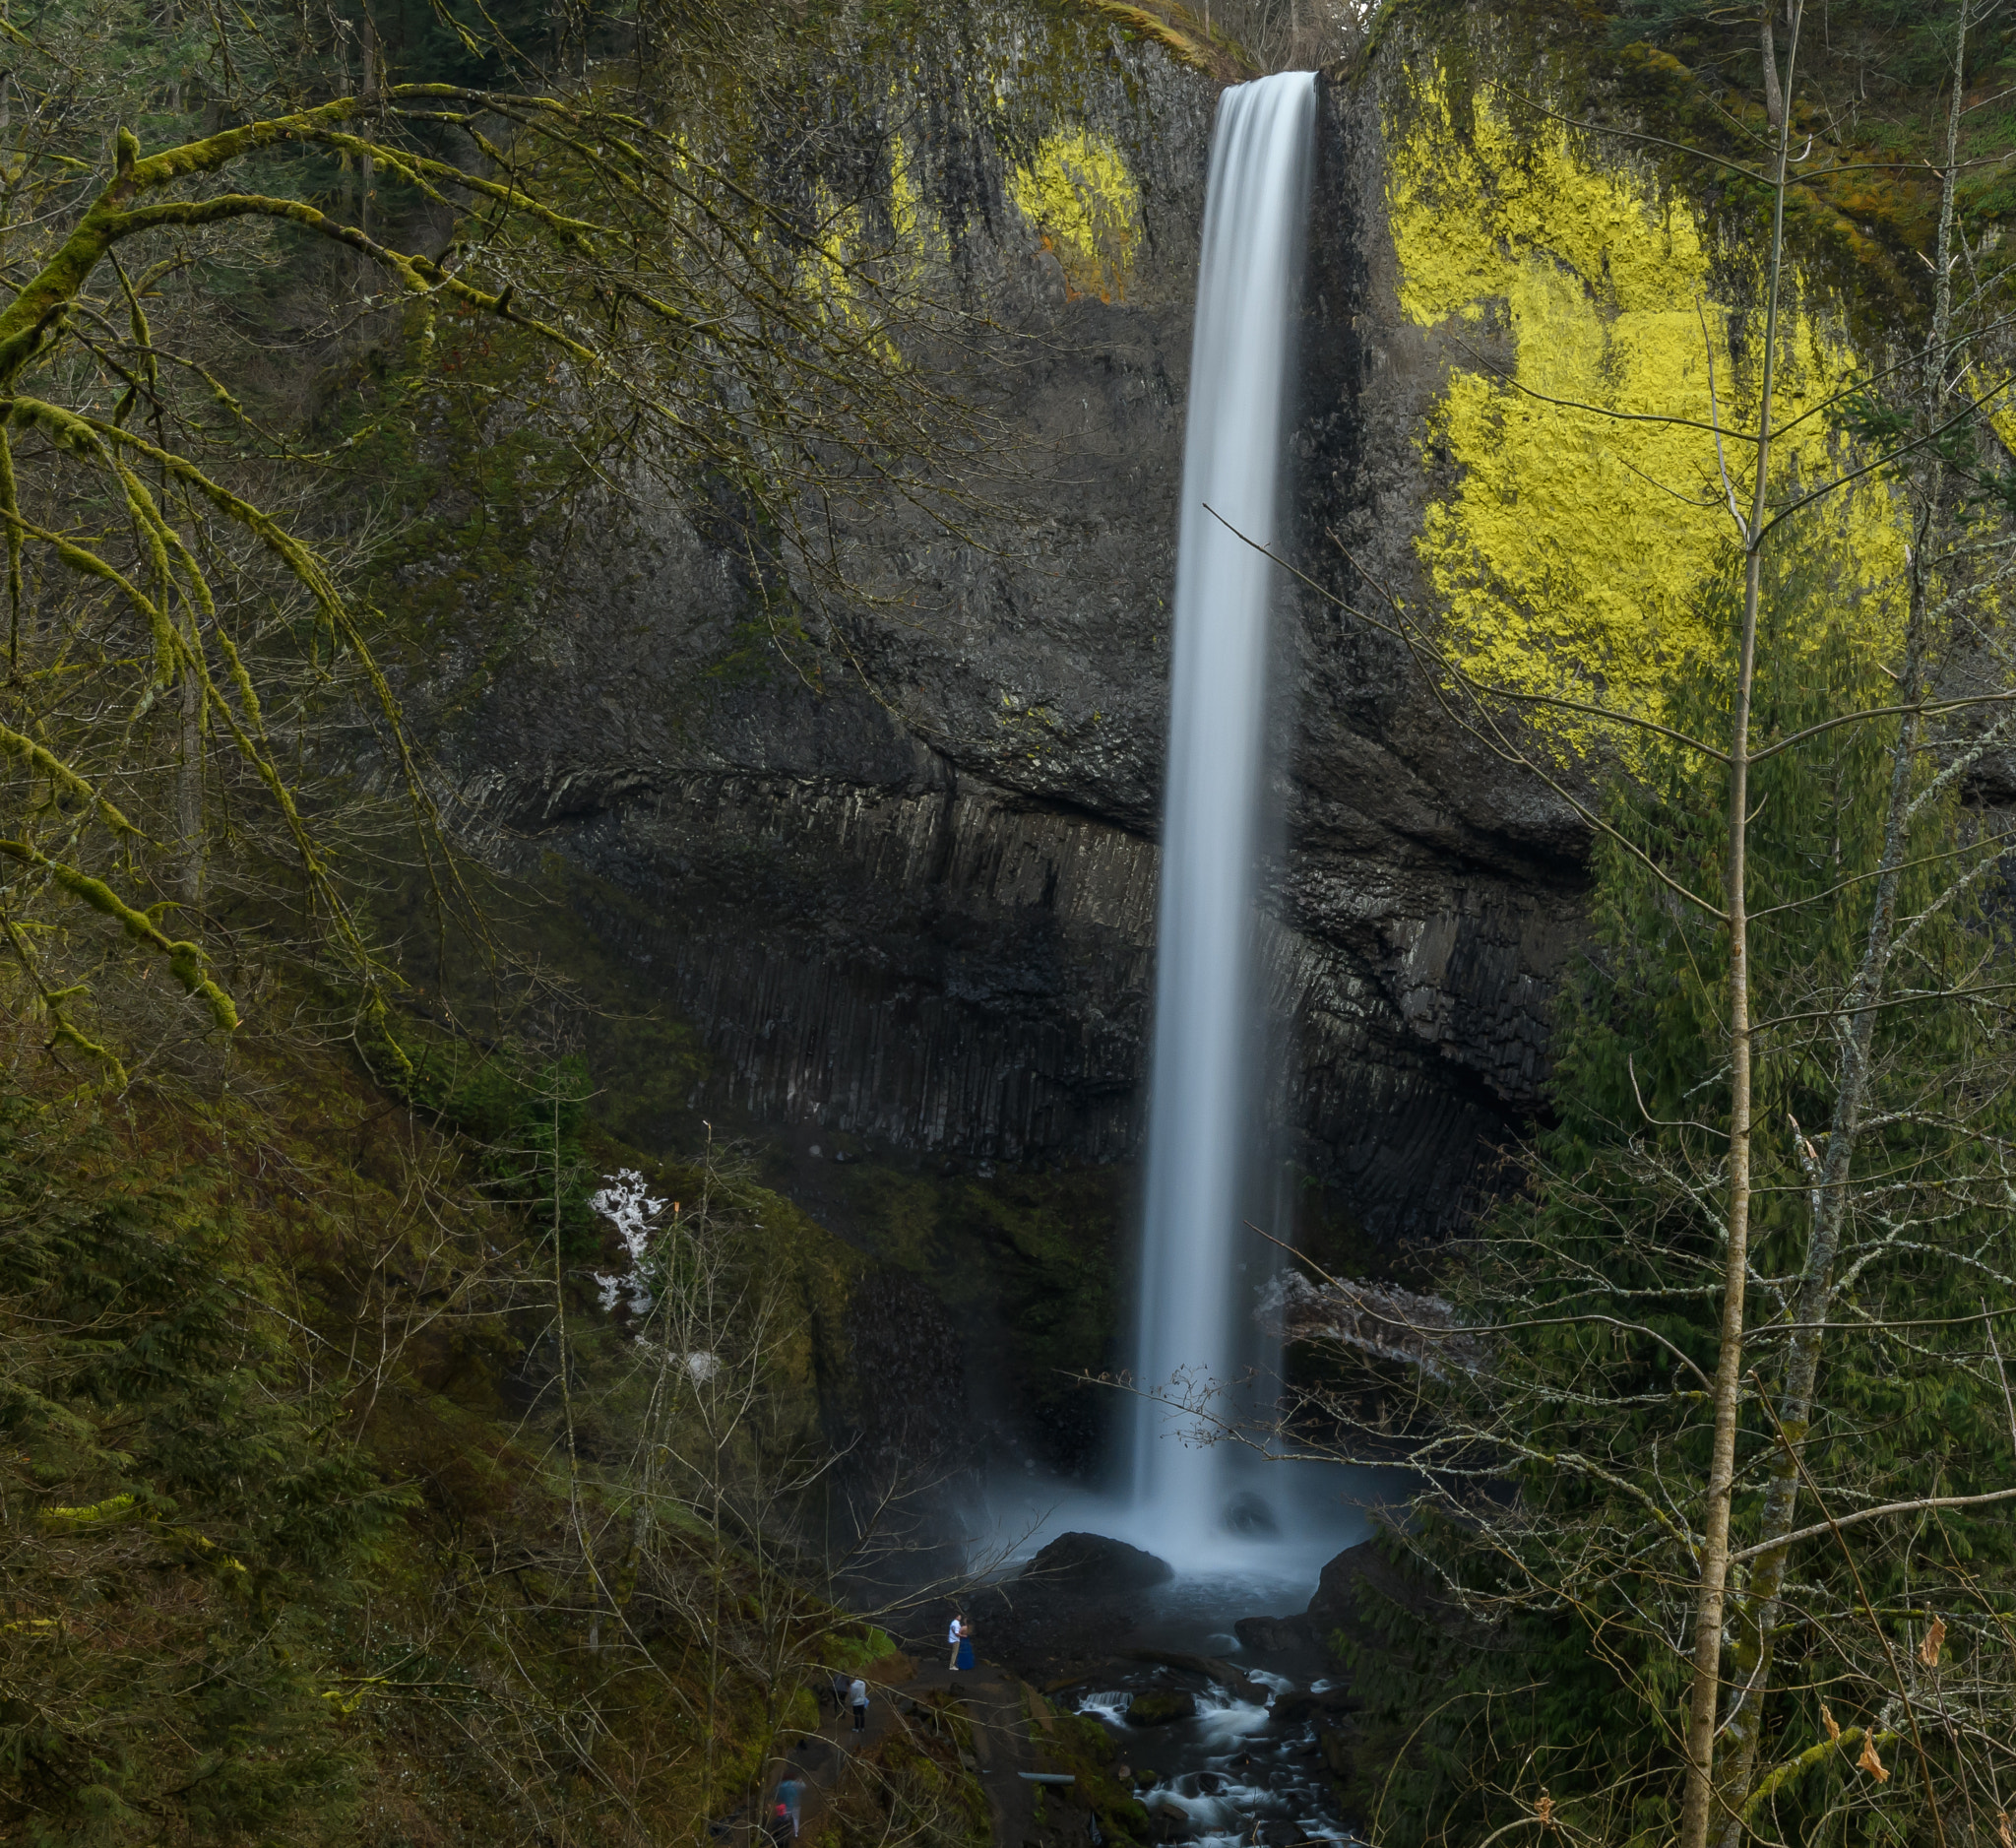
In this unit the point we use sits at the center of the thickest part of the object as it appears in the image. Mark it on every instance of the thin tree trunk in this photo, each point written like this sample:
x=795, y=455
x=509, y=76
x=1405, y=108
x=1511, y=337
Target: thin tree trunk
x=1712, y=1587
x=1751, y=1647
x=1856, y=1032
x=367, y=174
x=189, y=788
x=1728, y=1369
x=189, y=766
x=343, y=159
x=1773, y=96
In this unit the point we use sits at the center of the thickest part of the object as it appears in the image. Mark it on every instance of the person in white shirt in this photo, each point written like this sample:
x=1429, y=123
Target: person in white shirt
x=857, y=1699
x=952, y=1639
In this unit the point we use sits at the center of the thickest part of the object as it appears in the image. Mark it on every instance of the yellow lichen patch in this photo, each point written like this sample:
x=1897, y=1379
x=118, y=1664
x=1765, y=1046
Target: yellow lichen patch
x=1082, y=201
x=920, y=233
x=839, y=272
x=1569, y=559
x=1995, y=391
x=856, y=260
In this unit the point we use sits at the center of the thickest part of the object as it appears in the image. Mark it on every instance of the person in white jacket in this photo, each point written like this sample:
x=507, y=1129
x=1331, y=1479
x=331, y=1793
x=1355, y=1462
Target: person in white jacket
x=952, y=1639
x=857, y=1699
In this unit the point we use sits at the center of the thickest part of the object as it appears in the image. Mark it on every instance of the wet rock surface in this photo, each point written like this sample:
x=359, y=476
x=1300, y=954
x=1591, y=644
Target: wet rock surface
x=1089, y=1565
x=921, y=911
x=1158, y=1706
x=1227, y=1726
x=1268, y=1634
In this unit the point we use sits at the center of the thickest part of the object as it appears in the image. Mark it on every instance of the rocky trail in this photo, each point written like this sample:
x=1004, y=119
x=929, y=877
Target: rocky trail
x=1163, y=1743
x=1006, y=1722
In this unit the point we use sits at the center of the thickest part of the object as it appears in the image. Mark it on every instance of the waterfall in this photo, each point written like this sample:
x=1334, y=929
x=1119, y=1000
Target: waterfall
x=1204, y=1076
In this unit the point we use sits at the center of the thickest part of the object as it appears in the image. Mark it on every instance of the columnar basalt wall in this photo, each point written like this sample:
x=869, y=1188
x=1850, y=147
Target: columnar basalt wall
x=921, y=910
x=934, y=969
x=924, y=913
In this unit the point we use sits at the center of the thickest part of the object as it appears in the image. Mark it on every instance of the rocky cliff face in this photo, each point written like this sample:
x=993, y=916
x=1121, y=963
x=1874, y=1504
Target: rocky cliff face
x=923, y=911
x=917, y=906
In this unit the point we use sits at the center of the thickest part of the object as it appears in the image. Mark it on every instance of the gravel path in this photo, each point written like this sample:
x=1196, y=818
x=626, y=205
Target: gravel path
x=1005, y=1743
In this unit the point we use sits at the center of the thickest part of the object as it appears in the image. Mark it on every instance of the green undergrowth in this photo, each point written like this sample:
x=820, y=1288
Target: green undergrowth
x=290, y=1556
x=528, y=1117
x=182, y=1537
x=629, y=1065
x=1089, y=1752
x=915, y=1773
x=1872, y=87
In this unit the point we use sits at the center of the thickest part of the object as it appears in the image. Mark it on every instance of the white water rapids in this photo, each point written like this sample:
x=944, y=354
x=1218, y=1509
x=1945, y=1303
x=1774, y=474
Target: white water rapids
x=1195, y=1303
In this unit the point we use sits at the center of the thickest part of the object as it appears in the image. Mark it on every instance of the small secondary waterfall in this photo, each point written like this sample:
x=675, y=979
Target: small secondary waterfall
x=1203, y=1078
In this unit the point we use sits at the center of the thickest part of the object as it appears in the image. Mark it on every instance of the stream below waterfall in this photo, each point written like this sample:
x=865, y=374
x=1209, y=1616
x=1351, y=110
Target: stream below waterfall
x=1232, y=1730
x=1249, y=1768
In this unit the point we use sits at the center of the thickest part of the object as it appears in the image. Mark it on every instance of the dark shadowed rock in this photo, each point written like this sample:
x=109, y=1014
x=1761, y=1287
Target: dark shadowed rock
x=1301, y=1703
x=1334, y=1609
x=1072, y=1608
x=1336, y=1613
x=1270, y=1634
x=1093, y=1566
x=907, y=895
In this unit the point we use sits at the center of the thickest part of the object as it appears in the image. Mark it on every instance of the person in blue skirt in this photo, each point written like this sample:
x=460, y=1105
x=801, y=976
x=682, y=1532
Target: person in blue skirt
x=964, y=1660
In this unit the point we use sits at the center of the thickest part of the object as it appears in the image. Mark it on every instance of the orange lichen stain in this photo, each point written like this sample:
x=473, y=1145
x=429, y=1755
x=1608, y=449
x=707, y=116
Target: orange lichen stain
x=1084, y=205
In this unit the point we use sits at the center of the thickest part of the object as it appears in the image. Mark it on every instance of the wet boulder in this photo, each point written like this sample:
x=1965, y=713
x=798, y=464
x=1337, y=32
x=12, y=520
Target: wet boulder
x=1337, y=1744
x=1160, y=1707
x=1093, y=1566
x=1269, y=1635
x=1361, y=1577
x=1298, y=1704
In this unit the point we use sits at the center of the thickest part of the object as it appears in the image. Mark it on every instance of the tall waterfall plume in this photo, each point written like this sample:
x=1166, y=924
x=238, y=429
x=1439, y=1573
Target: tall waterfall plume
x=1195, y=1303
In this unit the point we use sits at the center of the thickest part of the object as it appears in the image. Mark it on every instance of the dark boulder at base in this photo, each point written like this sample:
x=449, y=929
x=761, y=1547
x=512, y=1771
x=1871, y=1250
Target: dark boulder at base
x=1271, y=1636
x=1334, y=1605
x=1093, y=1566
x=1336, y=1614
x=1071, y=1608
x=1301, y=1703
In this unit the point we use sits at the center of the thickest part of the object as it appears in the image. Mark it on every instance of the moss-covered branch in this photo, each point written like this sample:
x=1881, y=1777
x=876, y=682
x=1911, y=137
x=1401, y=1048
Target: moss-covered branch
x=45, y=762
x=185, y=958
x=1782, y=1777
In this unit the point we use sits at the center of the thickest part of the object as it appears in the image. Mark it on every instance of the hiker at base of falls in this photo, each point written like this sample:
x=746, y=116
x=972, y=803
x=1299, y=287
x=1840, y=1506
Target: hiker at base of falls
x=857, y=1699
x=790, y=1800
x=951, y=1636
x=963, y=1660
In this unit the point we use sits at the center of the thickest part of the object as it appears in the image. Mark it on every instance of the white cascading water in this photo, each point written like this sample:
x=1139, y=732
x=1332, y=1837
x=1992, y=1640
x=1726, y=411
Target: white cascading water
x=1195, y=1307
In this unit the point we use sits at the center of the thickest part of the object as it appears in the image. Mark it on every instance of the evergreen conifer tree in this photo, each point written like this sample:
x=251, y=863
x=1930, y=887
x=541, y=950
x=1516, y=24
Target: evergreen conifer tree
x=1542, y=1646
